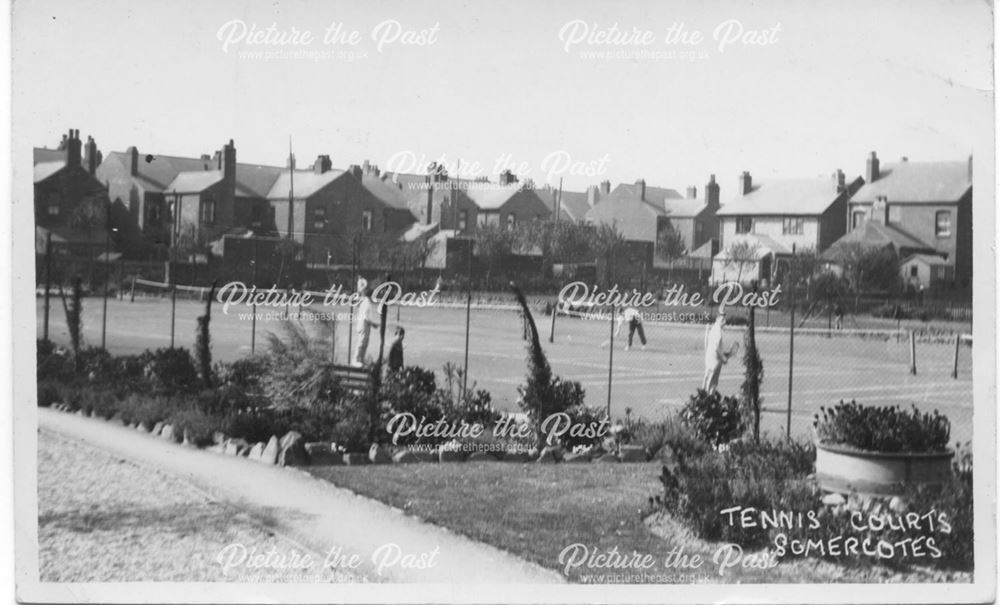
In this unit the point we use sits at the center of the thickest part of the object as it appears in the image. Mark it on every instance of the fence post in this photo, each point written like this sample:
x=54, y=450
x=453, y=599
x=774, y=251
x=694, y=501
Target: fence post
x=913, y=353
x=958, y=343
x=552, y=329
x=131, y=296
x=611, y=358
x=48, y=282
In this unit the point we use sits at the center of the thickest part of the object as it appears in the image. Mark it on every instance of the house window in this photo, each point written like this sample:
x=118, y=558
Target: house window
x=319, y=219
x=793, y=225
x=894, y=213
x=366, y=220
x=857, y=217
x=510, y=221
x=53, y=210
x=319, y=225
x=744, y=224
x=208, y=211
x=942, y=223
x=913, y=271
x=463, y=220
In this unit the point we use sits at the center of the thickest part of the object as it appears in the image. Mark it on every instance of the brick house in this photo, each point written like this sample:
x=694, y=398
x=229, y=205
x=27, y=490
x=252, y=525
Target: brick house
x=926, y=204
x=330, y=207
x=198, y=198
x=779, y=216
x=641, y=213
x=71, y=202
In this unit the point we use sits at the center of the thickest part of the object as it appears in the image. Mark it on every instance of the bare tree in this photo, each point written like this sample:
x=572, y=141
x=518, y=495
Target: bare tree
x=740, y=254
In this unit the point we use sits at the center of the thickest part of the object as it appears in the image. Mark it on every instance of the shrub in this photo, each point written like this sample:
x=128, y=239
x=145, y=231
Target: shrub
x=252, y=425
x=198, y=426
x=766, y=476
x=147, y=409
x=582, y=415
x=48, y=393
x=714, y=418
x=351, y=430
x=882, y=429
x=170, y=370
x=242, y=380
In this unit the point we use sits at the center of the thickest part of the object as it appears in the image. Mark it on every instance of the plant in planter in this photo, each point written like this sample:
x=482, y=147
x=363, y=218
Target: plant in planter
x=880, y=450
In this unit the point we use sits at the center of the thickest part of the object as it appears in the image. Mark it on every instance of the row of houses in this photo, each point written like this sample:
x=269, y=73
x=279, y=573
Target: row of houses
x=920, y=209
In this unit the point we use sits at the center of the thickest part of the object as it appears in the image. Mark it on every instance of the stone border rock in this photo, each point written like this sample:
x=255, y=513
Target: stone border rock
x=292, y=450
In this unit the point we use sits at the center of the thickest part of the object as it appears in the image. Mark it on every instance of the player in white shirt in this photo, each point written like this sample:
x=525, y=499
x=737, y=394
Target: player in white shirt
x=634, y=319
x=365, y=318
x=716, y=354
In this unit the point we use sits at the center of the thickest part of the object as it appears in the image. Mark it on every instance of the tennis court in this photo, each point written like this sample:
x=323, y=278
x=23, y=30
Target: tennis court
x=650, y=382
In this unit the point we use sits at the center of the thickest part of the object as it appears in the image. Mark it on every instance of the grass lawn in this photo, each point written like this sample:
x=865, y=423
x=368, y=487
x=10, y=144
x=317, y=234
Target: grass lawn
x=535, y=511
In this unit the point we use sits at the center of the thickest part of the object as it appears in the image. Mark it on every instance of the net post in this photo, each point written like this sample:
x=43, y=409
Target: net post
x=954, y=368
x=913, y=353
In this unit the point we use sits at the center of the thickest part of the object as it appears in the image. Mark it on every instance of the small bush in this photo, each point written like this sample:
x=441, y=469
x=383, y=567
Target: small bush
x=198, y=426
x=147, y=409
x=48, y=393
x=766, y=476
x=171, y=370
x=584, y=416
x=253, y=425
x=882, y=429
x=714, y=418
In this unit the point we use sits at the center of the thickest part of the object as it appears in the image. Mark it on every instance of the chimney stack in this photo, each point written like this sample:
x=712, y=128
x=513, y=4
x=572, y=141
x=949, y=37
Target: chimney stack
x=133, y=156
x=712, y=192
x=746, y=183
x=871, y=168
x=641, y=187
x=73, y=149
x=692, y=192
x=322, y=164
x=592, y=195
x=970, y=167
x=355, y=171
x=91, y=156
x=839, y=181
x=605, y=187
x=227, y=161
x=507, y=177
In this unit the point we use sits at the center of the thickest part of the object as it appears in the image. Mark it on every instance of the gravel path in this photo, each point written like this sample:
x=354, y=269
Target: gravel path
x=141, y=503
x=102, y=518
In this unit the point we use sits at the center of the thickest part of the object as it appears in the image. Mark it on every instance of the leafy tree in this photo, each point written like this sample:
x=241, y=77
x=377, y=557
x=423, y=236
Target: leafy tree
x=493, y=243
x=753, y=374
x=670, y=243
x=871, y=267
x=741, y=254
x=608, y=241
x=203, y=343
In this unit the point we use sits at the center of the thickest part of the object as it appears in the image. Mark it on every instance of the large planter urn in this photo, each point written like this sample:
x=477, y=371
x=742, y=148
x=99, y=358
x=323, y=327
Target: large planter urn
x=844, y=470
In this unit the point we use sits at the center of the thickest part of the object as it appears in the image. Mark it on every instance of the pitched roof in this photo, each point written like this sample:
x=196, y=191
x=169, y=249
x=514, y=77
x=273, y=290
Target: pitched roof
x=42, y=154
x=930, y=259
x=653, y=194
x=490, y=196
x=44, y=170
x=764, y=245
x=160, y=171
x=630, y=216
x=919, y=182
x=874, y=234
x=796, y=197
x=573, y=205
x=255, y=180
x=307, y=183
x=388, y=193
x=194, y=182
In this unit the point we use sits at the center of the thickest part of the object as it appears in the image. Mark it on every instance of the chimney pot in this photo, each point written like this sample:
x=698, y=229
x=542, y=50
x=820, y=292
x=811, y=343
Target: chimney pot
x=692, y=192
x=641, y=183
x=605, y=187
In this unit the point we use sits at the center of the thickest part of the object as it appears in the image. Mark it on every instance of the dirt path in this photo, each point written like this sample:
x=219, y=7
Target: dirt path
x=169, y=488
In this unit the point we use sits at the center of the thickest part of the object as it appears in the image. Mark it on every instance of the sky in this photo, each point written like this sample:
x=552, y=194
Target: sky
x=809, y=87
